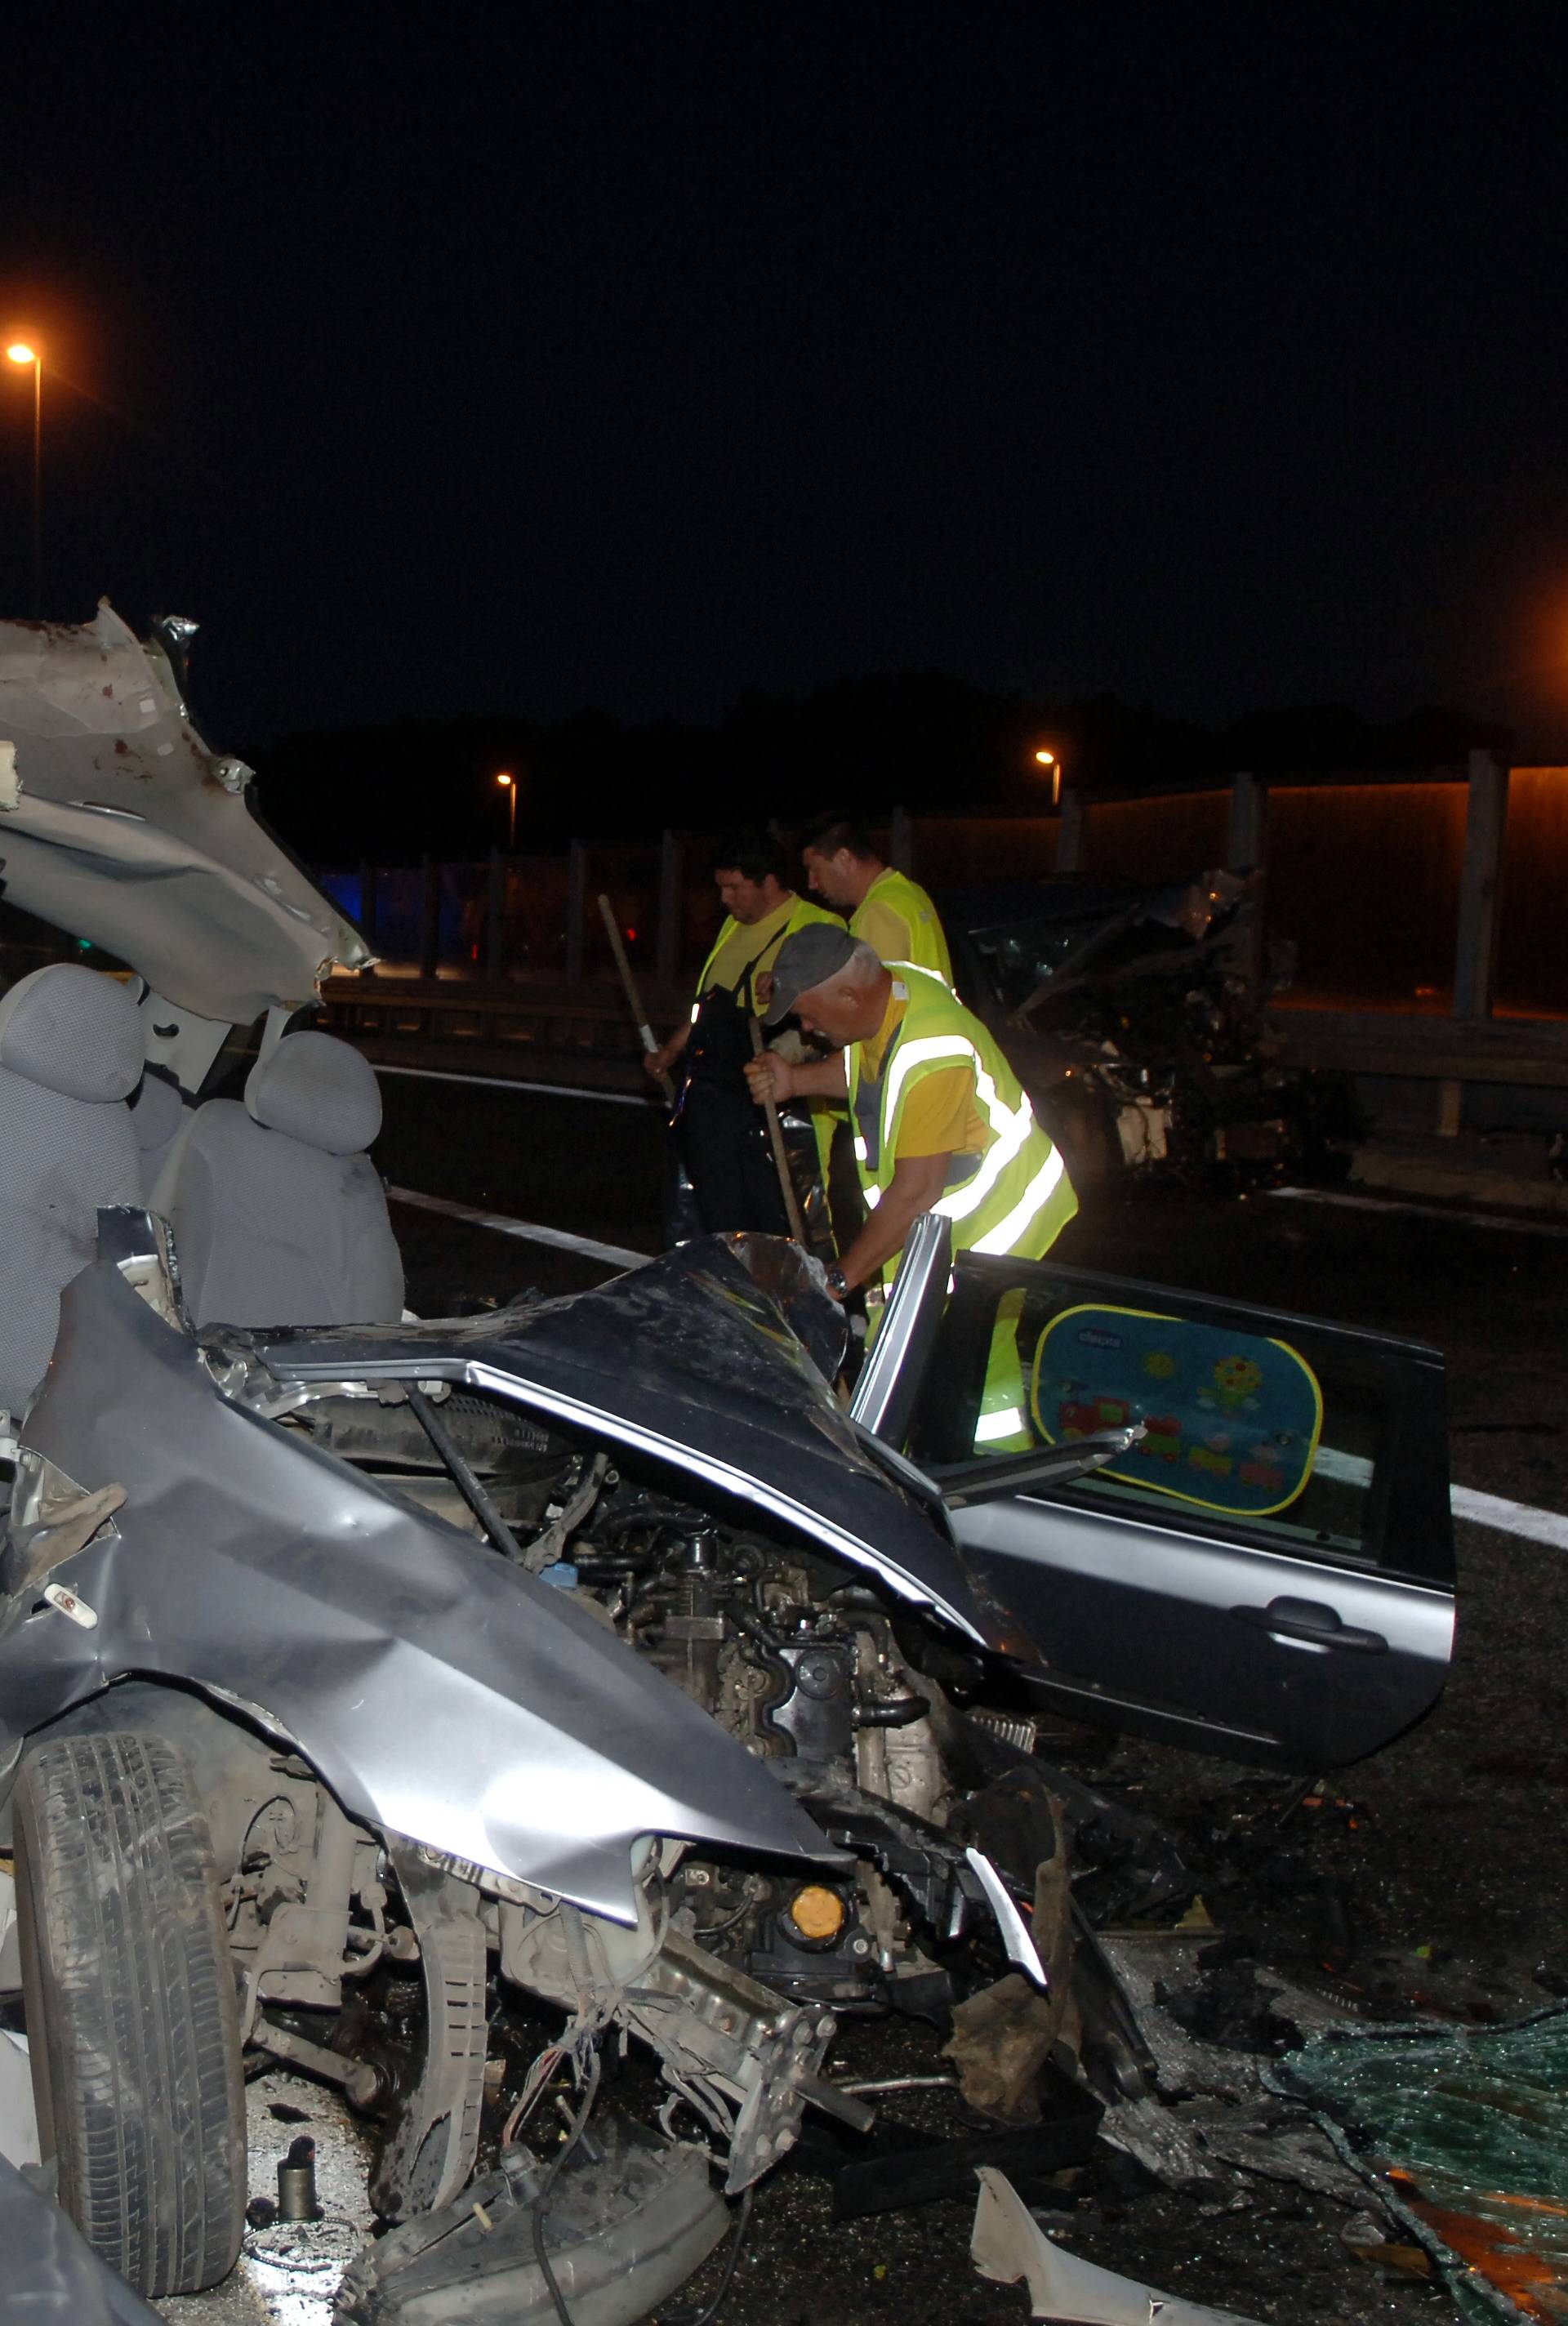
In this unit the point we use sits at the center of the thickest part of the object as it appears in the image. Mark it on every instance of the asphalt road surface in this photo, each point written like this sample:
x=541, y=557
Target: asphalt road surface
x=1443, y=1858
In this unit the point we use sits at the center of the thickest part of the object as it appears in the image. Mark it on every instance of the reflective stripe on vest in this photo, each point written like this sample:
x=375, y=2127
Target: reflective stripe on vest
x=874, y=1110
x=977, y=1183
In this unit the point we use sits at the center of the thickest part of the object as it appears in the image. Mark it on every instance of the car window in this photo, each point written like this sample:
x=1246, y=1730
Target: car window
x=1283, y=1431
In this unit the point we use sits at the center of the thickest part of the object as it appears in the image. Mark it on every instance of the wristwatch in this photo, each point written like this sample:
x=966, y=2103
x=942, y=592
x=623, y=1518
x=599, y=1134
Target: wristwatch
x=836, y=1285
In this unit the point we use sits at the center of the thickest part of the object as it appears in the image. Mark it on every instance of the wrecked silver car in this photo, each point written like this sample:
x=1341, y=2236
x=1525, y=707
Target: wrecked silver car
x=348, y=1761
x=575, y=1715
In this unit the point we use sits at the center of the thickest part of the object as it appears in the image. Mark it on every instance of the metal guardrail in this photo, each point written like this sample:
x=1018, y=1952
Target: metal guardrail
x=543, y=1017
x=1378, y=1043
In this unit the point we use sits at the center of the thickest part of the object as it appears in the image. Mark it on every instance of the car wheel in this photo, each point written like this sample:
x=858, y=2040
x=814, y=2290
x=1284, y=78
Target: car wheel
x=132, y=2021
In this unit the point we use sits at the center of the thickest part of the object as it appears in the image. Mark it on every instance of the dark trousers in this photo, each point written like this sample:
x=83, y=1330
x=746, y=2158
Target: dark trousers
x=725, y=1148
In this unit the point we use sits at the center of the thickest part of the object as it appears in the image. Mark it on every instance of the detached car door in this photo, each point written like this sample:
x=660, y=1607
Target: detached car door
x=1266, y=1573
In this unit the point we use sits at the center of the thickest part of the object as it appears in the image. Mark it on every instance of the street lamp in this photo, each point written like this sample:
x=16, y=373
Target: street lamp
x=21, y=352
x=509, y=786
x=1049, y=760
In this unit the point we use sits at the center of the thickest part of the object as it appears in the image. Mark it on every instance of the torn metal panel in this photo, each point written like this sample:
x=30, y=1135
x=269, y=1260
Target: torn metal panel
x=127, y=830
x=1157, y=2135
x=1183, y=2065
x=1217, y=2144
x=1222, y=2118
x=1272, y=2143
x=1010, y=2245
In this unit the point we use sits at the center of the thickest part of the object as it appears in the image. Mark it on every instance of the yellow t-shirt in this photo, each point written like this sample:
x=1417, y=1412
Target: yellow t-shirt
x=740, y=942
x=940, y=1116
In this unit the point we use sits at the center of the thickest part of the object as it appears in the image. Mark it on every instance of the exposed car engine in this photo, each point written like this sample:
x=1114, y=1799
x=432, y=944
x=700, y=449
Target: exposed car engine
x=812, y=1670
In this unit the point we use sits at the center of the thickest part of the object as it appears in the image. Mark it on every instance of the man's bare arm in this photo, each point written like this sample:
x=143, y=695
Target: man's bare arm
x=660, y=1061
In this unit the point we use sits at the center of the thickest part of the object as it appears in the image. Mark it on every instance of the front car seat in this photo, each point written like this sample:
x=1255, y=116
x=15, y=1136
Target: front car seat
x=70, y=1055
x=279, y=1216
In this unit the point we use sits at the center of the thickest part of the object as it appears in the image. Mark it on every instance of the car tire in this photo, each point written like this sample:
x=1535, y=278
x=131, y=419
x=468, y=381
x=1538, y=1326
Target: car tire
x=129, y=1992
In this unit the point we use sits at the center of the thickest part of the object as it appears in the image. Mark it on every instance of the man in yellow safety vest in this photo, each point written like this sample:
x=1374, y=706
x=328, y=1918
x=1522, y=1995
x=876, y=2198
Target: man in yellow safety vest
x=941, y=1124
x=719, y=1133
x=889, y=910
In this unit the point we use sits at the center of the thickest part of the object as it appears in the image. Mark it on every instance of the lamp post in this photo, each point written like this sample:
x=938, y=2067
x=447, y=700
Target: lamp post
x=1049, y=760
x=21, y=352
x=509, y=786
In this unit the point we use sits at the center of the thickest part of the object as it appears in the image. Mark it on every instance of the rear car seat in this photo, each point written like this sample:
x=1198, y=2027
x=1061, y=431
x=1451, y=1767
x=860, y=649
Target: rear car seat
x=158, y=1116
x=279, y=1216
x=70, y=1055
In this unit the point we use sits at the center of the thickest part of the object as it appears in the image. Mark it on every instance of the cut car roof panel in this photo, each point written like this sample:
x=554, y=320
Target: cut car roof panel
x=180, y=879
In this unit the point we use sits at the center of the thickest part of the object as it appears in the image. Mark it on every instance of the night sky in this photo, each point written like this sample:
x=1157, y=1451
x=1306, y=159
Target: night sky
x=635, y=355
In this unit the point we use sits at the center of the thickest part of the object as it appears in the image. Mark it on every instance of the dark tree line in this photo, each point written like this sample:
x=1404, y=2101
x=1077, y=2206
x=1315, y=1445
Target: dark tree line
x=932, y=743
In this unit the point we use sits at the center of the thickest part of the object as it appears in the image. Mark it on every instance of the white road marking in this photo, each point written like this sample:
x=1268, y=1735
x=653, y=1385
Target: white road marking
x=1465, y=1501
x=616, y=1255
x=504, y=1083
x=1511, y=1518
x=1520, y=1226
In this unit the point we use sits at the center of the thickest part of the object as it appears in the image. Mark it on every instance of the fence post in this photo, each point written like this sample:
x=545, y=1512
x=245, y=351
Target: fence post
x=576, y=909
x=1069, y=830
x=368, y=907
x=429, y=916
x=1476, y=946
x=1248, y=806
x=667, y=942
x=496, y=920
x=901, y=842
x=1247, y=851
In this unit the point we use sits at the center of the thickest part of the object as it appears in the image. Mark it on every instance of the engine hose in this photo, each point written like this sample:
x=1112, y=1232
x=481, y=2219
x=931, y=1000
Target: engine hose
x=574, y=2133
x=891, y=1712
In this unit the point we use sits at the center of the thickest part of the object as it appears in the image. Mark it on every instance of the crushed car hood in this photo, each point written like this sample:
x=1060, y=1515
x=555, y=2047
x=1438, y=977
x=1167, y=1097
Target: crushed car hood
x=119, y=825
x=699, y=1360
x=442, y=1693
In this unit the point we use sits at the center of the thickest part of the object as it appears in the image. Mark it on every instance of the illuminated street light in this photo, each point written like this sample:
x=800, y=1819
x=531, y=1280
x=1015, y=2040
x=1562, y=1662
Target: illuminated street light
x=20, y=351
x=1049, y=760
x=509, y=786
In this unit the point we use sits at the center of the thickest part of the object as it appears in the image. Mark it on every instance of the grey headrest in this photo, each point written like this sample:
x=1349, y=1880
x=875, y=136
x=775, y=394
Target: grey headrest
x=319, y=1091
x=74, y=1031
x=157, y=1111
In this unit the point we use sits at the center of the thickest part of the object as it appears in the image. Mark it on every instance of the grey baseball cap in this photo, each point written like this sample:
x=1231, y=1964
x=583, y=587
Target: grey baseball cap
x=813, y=954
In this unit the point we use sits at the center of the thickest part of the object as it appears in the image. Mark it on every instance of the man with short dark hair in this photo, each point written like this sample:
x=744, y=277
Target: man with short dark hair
x=888, y=910
x=722, y=1141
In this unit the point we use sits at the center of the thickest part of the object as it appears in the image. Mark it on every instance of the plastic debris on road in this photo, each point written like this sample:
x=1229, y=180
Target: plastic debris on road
x=1008, y=2244
x=1468, y=2133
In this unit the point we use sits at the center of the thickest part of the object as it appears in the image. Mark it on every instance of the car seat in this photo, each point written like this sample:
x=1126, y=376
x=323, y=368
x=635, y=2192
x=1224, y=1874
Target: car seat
x=158, y=1116
x=70, y=1055
x=279, y=1216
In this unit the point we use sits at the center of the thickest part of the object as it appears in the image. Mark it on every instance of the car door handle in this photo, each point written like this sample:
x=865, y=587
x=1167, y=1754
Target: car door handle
x=1312, y=1620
